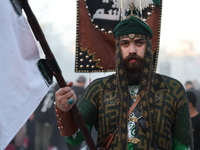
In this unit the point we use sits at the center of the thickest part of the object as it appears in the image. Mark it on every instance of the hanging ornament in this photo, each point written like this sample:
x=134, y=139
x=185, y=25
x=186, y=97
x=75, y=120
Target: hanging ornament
x=138, y=4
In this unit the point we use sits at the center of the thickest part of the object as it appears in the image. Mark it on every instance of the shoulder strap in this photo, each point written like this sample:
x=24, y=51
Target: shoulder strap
x=141, y=121
x=133, y=105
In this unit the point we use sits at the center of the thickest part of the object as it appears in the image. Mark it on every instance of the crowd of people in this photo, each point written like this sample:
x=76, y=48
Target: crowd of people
x=40, y=132
x=193, y=94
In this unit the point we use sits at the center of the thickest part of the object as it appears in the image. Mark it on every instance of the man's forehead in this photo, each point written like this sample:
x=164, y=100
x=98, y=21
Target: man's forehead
x=131, y=39
x=132, y=36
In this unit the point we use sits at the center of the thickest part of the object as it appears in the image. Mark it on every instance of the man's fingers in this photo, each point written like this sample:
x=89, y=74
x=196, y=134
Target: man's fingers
x=63, y=91
x=65, y=97
x=70, y=84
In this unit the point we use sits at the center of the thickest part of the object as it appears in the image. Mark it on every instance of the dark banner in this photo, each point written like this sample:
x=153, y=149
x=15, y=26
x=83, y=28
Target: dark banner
x=95, y=44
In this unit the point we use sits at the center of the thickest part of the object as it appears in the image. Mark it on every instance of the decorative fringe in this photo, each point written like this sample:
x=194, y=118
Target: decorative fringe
x=139, y=4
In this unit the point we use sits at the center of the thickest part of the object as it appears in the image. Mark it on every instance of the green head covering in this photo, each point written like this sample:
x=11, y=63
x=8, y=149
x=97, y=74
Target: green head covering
x=132, y=25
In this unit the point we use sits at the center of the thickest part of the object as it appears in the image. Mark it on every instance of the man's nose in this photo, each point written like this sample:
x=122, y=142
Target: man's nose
x=132, y=49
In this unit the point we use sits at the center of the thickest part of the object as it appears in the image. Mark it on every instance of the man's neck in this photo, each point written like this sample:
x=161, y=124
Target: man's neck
x=80, y=84
x=193, y=112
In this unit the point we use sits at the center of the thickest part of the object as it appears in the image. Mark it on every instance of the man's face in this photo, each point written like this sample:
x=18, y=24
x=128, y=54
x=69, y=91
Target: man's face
x=188, y=86
x=133, y=51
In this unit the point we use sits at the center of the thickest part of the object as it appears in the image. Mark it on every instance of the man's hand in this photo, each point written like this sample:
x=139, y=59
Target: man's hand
x=65, y=98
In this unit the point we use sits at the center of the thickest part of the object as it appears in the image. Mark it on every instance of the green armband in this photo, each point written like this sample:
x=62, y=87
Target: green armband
x=76, y=138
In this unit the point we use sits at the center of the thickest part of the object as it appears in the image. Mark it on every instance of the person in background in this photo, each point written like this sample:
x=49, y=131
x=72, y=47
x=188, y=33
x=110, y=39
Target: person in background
x=194, y=114
x=19, y=138
x=143, y=109
x=44, y=121
x=196, y=84
x=79, y=89
x=31, y=132
x=189, y=86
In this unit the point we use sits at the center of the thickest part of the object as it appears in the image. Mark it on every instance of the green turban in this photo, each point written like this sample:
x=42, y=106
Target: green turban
x=132, y=25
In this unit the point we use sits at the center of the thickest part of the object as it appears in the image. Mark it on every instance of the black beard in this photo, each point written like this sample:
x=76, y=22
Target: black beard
x=133, y=70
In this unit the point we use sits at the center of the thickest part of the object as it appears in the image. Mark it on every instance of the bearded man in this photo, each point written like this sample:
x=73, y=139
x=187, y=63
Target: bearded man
x=161, y=118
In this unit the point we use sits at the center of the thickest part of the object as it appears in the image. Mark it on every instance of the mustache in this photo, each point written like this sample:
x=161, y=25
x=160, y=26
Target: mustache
x=133, y=56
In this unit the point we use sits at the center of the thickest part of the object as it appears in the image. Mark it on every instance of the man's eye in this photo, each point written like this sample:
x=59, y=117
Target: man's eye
x=124, y=44
x=140, y=43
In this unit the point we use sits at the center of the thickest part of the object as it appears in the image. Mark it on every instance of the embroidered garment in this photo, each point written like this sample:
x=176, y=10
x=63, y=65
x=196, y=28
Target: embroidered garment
x=171, y=118
x=163, y=105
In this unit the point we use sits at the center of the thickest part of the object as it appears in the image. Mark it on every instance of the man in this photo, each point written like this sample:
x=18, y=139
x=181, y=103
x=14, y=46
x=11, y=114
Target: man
x=194, y=114
x=161, y=118
x=189, y=86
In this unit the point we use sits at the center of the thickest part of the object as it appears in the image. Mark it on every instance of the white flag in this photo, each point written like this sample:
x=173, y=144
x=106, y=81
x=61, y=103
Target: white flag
x=21, y=85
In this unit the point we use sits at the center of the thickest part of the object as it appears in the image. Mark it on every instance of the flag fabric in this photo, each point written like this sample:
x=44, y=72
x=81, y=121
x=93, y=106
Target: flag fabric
x=95, y=44
x=22, y=85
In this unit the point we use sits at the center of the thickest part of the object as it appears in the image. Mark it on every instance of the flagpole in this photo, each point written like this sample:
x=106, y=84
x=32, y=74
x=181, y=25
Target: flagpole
x=55, y=69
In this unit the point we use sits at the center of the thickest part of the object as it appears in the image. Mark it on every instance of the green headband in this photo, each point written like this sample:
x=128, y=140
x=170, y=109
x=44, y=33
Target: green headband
x=132, y=25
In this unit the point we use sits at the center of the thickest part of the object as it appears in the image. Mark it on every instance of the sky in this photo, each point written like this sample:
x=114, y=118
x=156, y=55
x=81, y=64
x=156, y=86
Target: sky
x=179, y=22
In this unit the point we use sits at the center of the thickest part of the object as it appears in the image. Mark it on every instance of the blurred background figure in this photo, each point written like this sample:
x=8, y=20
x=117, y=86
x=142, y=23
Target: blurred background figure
x=31, y=133
x=189, y=86
x=196, y=84
x=19, y=138
x=79, y=89
x=44, y=121
x=41, y=129
x=22, y=139
x=194, y=114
